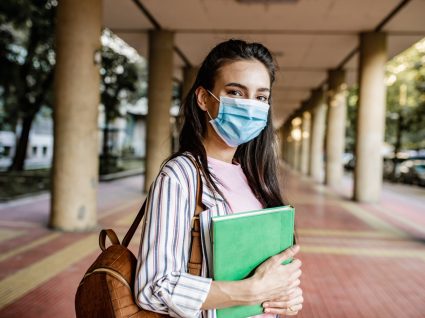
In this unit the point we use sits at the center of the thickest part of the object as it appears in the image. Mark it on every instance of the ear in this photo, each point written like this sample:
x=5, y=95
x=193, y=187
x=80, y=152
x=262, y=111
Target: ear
x=201, y=97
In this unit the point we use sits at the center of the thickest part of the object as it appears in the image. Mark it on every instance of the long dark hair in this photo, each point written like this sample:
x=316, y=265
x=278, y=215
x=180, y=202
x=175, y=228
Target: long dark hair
x=257, y=157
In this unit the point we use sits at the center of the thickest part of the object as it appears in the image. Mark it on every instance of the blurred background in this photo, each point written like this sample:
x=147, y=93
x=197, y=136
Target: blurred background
x=89, y=108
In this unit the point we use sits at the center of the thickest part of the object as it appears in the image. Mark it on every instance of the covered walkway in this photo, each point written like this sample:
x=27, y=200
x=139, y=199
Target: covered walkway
x=322, y=48
x=360, y=260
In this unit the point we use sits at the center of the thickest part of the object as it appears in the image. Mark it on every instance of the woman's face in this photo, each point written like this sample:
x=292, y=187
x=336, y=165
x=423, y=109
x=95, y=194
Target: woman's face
x=240, y=79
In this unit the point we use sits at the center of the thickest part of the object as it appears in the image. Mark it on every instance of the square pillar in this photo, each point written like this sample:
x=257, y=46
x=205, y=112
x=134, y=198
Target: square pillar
x=370, y=117
x=317, y=136
x=75, y=115
x=160, y=86
x=335, y=129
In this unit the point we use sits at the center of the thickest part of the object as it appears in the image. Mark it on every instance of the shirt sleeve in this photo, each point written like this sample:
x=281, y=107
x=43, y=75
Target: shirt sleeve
x=162, y=283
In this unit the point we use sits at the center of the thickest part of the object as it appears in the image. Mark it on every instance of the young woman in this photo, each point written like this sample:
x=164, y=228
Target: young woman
x=227, y=129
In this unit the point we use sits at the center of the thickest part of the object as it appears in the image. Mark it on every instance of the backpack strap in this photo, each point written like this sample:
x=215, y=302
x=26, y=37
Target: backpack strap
x=195, y=260
x=112, y=237
x=129, y=235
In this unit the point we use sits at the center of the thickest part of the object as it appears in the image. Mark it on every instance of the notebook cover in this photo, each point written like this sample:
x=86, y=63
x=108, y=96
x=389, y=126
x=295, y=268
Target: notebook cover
x=242, y=241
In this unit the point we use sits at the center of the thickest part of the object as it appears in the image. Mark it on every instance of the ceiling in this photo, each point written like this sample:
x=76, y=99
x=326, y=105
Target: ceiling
x=308, y=37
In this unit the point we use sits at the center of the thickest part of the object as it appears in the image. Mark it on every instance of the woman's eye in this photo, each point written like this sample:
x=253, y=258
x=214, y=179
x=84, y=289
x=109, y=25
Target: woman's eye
x=235, y=93
x=262, y=99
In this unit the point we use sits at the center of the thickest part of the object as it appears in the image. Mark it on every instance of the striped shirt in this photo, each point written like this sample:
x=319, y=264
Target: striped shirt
x=162, y=282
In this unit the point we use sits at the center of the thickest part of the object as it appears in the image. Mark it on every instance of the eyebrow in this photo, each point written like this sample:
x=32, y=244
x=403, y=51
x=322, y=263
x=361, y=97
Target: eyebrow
x=262, y=89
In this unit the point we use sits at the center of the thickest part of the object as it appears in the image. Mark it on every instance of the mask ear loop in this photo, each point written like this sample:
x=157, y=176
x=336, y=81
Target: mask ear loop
x=213, y=95
x=216, y=99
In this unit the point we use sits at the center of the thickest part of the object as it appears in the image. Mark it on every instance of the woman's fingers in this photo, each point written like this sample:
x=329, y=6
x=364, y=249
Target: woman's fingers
x=284, y=303
x=286, y=254
x=293, y=310
x=284, y=309
x=296, y=274
x=293, y=297
x=294, y=284
x=294, y=302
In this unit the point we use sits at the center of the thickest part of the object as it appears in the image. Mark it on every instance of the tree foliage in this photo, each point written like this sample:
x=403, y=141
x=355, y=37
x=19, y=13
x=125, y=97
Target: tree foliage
x=406, y=98
x=27, y=58
x=405, y=102
x=121, y=76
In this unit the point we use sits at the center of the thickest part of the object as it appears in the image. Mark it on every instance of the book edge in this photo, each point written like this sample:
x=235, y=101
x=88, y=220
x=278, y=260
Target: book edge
x=219, y=218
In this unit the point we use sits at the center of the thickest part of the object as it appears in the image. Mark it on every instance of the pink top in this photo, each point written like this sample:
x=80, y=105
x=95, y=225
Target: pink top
x=236, y=191
x=234, y=186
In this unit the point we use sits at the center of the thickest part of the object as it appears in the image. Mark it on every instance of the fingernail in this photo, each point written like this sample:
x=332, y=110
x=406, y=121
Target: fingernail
x=265, y=305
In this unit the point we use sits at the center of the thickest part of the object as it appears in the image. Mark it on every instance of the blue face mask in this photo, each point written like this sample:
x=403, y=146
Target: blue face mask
x=239, y=120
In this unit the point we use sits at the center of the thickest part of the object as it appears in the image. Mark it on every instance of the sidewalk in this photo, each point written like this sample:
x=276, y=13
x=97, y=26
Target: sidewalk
x=359, y=260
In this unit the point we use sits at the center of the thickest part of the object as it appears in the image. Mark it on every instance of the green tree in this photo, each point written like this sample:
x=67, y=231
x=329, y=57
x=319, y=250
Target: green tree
x=405, y=122
x=405, y=111
x=28, y=57
x=350, y=131
x=120, y=83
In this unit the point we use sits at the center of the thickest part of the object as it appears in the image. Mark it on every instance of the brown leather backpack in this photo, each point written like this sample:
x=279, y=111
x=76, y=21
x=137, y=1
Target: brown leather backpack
x=106, y=289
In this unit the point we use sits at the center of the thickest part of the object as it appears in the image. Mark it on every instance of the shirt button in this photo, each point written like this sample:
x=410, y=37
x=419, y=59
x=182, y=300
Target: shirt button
x=160, y=293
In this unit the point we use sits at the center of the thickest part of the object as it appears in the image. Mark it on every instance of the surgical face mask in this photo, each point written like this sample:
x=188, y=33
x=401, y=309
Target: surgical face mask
x=239, y=120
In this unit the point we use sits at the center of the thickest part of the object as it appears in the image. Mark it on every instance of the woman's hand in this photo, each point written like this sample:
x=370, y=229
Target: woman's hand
x=288, y=305
x=278, y=285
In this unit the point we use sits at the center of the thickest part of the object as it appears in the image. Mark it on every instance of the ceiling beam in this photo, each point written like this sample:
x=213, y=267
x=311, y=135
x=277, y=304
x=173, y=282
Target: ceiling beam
x=378, y=28
x=157, y=26
x=148, y=15
x=391, y=15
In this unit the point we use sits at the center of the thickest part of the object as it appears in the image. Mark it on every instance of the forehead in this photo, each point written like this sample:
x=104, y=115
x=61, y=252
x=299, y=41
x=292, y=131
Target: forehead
x=250, y=73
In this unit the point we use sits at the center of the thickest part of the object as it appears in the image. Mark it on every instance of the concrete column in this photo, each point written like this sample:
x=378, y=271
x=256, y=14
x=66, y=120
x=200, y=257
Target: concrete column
x=285, y=142
x=297, y=155
x=291, y=152
x=288, y=150
x=281, y=142
x=77, y=98
x=290, y=145
x=296, y=135
x=335, y=130
x=371, y=117
x=160, y=83
x=317, y=135
x=305, y=142
x=189, y=76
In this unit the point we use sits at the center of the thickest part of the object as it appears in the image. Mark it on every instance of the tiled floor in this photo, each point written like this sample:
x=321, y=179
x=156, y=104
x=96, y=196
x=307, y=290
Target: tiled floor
x=359, y=260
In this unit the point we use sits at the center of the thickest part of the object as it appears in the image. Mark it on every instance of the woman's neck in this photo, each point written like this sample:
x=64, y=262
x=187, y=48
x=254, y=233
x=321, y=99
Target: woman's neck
x=216, y=148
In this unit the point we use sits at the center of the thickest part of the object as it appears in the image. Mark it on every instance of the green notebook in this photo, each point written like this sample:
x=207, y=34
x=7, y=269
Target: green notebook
x=242, y=241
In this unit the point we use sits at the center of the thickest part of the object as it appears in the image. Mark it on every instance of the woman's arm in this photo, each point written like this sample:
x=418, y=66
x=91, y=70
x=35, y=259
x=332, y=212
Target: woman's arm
x=227, y=294
x=162, y=283
x=270, y=281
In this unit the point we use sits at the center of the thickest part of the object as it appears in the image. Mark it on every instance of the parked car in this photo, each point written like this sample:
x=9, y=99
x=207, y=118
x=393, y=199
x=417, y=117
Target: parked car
x=412, y=172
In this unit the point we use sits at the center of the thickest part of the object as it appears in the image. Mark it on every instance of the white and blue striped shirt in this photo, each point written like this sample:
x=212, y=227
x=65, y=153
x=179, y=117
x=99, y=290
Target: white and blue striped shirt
x=163, y=283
